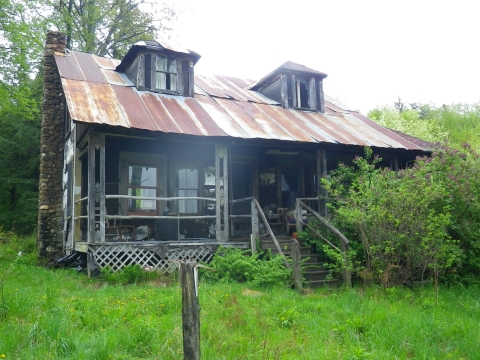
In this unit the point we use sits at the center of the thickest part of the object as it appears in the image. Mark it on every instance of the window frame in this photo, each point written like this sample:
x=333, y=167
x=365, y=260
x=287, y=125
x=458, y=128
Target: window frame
x=143, y=212
x=168, y=74
x=173, y=188
x=160, y=161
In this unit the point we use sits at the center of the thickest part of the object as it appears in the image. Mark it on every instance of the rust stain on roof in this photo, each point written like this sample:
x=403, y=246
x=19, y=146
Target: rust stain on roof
x=221, y=117
x=223, y=106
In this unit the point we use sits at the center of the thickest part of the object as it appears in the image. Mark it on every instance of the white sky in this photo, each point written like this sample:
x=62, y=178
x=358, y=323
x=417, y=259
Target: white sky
x=372, y=51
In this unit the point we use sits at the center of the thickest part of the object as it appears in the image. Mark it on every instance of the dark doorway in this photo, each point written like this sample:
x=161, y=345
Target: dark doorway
x=241, y=187
x=291, y=187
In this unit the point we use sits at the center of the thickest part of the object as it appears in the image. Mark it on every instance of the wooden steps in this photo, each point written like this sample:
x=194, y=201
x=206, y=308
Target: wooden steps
x=313, y=271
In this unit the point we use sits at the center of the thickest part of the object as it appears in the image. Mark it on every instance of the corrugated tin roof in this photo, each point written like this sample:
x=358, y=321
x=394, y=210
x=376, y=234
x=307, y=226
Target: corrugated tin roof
x=223, y=106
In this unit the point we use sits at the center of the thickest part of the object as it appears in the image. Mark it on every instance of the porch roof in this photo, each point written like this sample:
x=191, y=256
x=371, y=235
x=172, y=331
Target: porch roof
x=223, y=106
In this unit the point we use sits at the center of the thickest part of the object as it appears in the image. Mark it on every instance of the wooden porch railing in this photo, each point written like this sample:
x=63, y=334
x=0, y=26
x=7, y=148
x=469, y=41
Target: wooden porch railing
x=344, y=243
x=129, y=217
x=256, y=210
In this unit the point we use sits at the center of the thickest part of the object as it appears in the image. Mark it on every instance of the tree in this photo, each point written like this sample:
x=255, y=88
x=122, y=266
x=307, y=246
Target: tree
x=20, y=97
x=104, y=27
x=408, y=121
x=109, y=27
x=456, y=123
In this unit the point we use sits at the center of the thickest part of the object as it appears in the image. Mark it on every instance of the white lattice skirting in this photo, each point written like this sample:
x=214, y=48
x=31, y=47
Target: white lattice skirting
x=154, y=256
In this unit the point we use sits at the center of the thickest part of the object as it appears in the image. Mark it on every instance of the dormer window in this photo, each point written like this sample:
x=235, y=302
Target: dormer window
x=302, y=95
x=294, y=86
x=160, y=66
x=165, y=73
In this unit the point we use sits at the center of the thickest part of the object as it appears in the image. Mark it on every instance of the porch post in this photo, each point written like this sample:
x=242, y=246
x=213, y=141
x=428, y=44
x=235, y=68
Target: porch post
x=255, y=229
x=393, y=162
x=221, y=192
x=77, y=194
x=322, y=174
x=298, y=217
x=92, y=140
x=226, y=208
x=101, y=189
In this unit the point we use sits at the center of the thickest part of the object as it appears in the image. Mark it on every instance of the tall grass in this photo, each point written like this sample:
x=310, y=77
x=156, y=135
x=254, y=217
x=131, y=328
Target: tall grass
x=59, y=314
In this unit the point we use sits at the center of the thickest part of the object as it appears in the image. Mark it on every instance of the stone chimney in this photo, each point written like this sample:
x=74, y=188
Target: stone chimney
x=50, y=213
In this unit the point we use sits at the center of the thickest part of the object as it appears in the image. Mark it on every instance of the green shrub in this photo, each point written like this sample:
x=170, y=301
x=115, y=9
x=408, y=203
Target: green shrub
x=400, y=223
x=131, y=274
x=236, y=265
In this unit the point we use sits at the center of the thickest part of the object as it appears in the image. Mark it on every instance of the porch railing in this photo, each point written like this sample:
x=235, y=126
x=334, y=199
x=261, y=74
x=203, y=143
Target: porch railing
x=344, y=243
x=104, y=217
x=257, y=211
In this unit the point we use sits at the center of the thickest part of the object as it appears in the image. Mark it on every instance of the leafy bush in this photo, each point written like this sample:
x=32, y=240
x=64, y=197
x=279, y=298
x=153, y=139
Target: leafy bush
x=236, y=265
x=459, y=173
x=404, y=221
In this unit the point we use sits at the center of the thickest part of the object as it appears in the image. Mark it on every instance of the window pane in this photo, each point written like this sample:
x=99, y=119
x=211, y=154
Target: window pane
x=135, y=205
x=161, y=64
x=142, y=175
x=160, y=80
x=186, y=185
x=171, y=65
x=192, y=179
x=173, y=82
x=181, y=178
x=192, y=204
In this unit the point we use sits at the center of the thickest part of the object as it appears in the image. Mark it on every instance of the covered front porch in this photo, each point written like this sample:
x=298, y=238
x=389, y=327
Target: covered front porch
x=154, y=200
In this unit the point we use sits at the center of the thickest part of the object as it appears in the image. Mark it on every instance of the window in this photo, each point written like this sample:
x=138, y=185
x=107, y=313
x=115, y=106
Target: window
x=186, y=185
x=301, y=89
x=142, y=182
x=165, y=73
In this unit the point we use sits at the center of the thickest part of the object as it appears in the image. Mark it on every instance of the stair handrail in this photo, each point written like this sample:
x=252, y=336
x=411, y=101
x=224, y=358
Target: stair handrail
x=256, y=205
x=344, y=242
x=270, y=232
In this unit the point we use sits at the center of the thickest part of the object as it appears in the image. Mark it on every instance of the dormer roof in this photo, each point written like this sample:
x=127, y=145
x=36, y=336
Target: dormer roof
x=288, y=67
x=167, y=47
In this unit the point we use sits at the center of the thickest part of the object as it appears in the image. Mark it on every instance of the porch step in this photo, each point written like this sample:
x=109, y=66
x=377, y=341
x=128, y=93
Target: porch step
x=331, y=283
x=284, y=245
x=314, y=273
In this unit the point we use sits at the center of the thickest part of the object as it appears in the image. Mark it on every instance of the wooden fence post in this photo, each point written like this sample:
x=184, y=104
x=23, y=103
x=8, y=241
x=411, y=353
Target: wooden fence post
x=190, y=311
x=297, y=269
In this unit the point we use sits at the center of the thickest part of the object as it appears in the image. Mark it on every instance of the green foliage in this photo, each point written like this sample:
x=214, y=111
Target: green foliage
x=20, y=99
x=456, y=123
x=101, y=27
x=236, y=265
x=131, y=274
x=110, y=27
x=459, y=173
x=19, y=250
x=288, y=317
x=462, y=121
x=58, y=314
x=409, y=122
x=401, y=220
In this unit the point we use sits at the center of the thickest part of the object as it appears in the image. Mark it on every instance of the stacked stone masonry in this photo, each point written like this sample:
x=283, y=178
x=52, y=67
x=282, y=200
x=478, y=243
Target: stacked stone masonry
x=50, y=216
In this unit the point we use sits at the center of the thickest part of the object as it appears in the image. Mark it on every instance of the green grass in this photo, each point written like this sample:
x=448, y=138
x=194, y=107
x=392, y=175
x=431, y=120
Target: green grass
x=59, y=314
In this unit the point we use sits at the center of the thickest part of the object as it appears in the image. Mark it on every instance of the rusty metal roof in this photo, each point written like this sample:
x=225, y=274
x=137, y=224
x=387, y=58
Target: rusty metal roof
x=222, y=106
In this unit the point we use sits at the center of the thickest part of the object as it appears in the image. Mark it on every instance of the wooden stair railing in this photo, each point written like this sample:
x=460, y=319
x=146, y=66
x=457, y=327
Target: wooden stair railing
x=344, y=243
x=256, y=210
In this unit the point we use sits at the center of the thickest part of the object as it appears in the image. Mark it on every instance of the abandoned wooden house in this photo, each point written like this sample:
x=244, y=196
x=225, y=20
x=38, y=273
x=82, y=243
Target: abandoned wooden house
x=144, y=161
